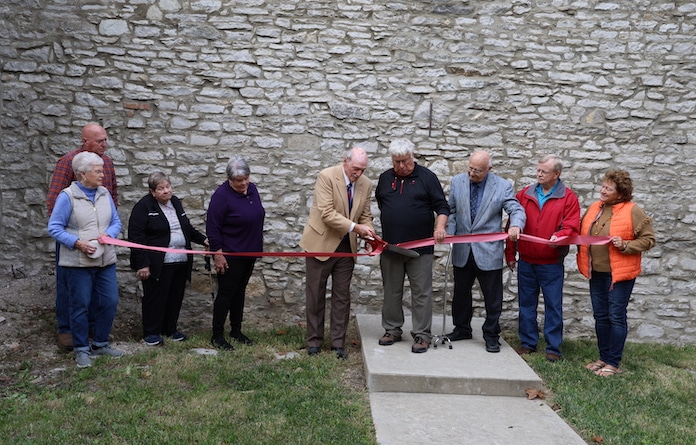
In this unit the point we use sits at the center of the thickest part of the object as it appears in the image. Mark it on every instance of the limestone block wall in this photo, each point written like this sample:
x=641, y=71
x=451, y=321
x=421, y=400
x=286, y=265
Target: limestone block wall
x=181, y=85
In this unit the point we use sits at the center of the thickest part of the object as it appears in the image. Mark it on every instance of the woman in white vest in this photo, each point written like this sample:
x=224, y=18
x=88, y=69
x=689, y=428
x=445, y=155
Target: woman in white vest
x=83, y=212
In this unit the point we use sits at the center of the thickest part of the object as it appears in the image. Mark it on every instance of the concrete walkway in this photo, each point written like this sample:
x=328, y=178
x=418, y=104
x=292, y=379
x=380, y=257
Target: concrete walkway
x=462, y=395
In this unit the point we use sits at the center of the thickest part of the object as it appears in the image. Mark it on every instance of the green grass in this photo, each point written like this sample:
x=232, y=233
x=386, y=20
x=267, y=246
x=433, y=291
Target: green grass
x=652, y=402
x=172, y=396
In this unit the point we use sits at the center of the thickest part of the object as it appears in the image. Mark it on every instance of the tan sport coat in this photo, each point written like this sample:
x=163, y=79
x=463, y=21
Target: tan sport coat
x=329, y=220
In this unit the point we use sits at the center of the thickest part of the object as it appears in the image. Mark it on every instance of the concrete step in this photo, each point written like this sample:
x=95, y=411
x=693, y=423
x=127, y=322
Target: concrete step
x=462, y=395
x=417, y=419
x=466, y=369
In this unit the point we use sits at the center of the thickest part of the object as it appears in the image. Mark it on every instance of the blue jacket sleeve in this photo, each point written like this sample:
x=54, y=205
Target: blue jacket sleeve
x=114, y=228
x=59, y=220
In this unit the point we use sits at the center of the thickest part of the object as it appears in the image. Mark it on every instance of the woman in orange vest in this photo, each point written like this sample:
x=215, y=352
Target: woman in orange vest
x=612, y=268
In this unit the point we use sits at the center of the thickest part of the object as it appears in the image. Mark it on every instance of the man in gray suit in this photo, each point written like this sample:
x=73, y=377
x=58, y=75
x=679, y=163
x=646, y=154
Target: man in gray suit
x=477, y=200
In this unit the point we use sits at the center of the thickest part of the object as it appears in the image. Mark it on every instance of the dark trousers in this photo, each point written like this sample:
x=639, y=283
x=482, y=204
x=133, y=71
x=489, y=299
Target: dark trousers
x=231, y=294
x=317, y=273
x=491, y=285
x=162, y=300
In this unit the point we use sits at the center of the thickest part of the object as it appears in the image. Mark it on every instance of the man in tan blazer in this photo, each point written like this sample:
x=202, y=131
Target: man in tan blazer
x=339, y=214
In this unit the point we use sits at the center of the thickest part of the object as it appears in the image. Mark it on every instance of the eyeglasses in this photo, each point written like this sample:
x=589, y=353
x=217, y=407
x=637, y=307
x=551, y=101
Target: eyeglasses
x=544, y=172
x=476, y=171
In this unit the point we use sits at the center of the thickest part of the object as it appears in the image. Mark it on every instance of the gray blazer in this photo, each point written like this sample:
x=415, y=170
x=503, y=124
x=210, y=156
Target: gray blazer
x=497, y=196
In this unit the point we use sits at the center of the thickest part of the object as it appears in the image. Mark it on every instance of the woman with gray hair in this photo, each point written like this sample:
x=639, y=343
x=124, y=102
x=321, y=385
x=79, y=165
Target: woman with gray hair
x=82, y=210
x=159, y=219
x=234, y=224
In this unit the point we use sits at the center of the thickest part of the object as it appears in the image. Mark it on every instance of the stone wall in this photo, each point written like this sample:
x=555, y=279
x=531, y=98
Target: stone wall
x=181, y=85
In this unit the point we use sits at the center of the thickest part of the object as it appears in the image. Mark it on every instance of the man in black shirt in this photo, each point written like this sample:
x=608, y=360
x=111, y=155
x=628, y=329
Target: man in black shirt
x=409, y=197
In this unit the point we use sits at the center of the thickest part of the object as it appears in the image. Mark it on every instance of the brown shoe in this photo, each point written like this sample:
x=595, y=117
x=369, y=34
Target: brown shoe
x=420, y=345
x=553, y=358
x=523, y=350
x=389, y=339
x=64, y=341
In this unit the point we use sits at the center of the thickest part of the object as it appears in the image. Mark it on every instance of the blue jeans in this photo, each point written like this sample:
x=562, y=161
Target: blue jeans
x=62, y=296
x=549, y=279
x=92, y=289
x=609, y=305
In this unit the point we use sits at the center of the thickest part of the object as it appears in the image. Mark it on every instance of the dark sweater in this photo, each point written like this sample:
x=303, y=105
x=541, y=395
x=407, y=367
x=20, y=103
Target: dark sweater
x=235, y=220
x=408, y=205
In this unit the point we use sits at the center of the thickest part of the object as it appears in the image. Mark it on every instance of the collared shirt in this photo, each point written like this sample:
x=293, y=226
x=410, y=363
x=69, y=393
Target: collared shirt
x=543, y=197
x=408, y=205
x=345, y=177
x=481, y=185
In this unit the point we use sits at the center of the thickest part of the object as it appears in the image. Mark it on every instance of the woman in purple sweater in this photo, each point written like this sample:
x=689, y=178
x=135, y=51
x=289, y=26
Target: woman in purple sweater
x=234, y=224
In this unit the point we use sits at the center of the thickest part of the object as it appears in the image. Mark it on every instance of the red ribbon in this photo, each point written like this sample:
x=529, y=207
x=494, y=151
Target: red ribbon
x=488, y=237
x=124, y=243
x=378, y=245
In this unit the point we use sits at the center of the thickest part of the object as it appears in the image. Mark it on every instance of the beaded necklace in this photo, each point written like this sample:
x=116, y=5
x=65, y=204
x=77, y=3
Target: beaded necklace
x=599, y=229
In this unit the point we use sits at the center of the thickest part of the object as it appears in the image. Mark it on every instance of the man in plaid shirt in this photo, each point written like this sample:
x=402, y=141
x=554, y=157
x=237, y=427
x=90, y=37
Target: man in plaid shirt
x=94, y=140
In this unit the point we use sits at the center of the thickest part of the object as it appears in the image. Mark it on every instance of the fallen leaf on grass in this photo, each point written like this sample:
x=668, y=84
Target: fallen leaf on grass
x=597, y=439
x=533, y=393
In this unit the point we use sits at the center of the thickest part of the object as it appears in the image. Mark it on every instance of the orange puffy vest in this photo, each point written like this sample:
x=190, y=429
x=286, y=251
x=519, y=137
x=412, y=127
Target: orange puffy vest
x=623, y=266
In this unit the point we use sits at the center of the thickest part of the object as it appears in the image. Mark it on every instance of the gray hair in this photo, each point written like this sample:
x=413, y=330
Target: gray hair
x=401, y=147
x=84, y=161
x=237, y=167
x=557, y=163
x=156, y=178
x=355, y=152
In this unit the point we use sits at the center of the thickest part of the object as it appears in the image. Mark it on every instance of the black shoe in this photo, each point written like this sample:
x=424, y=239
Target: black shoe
x=340, y=353
x=153, y=340
x=313, y=350
x=241, y=338
x=221, y=343
x=492, y=344
x=459, y=335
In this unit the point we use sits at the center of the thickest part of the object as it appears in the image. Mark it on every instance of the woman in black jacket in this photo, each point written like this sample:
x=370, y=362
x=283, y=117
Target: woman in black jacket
x=159, y=219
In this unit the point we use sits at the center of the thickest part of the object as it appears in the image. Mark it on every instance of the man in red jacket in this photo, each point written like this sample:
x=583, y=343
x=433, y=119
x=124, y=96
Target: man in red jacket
x=552, y=212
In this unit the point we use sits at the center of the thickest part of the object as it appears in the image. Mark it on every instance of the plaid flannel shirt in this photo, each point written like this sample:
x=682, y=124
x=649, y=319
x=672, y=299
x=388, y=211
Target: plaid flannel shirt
x=63, y=176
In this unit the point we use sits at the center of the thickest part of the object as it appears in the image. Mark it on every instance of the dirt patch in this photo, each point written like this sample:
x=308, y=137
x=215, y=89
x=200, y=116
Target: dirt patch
x=28, y=350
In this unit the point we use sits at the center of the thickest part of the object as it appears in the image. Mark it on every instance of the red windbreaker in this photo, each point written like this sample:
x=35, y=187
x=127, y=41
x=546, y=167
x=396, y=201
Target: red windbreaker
x=560, y=216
